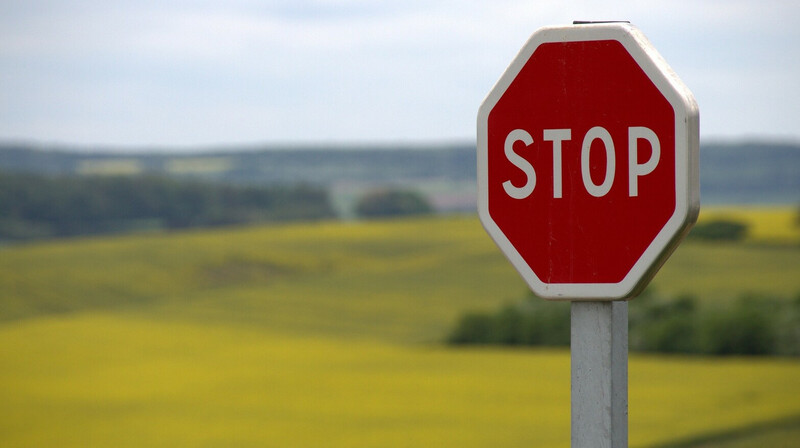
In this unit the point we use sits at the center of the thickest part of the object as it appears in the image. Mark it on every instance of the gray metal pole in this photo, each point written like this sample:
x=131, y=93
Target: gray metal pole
x=599, y=347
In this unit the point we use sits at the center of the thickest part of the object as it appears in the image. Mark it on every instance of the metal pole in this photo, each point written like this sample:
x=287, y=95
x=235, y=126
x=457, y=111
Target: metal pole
x=599, y=347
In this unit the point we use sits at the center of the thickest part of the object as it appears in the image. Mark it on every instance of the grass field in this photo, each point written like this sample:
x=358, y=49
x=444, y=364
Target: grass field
x=766, y=224
x=328, y=335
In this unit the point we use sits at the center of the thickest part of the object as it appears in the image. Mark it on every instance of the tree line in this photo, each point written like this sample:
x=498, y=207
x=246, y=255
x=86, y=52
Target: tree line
x=751, y=325
x=36, y=206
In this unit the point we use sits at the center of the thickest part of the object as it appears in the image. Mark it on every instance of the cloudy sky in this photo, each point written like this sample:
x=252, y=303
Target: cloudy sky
x=186, y=73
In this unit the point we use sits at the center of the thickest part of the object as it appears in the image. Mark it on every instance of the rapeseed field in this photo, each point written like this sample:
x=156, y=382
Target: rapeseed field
x=330, y=335
x=766, y=223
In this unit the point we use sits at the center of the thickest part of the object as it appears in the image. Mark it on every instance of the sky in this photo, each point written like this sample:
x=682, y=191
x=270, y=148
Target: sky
x=187, y=74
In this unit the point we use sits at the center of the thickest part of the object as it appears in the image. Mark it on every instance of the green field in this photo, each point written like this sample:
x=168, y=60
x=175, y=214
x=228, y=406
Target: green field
x=329, y=335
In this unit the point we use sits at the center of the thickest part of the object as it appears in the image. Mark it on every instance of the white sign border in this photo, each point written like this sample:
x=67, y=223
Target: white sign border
x=687, y=178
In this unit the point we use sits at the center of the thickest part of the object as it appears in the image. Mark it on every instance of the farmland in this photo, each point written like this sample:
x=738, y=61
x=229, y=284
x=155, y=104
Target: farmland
x=330, y=334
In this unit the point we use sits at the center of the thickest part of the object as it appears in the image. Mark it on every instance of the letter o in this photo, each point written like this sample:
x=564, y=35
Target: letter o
x=593, y=134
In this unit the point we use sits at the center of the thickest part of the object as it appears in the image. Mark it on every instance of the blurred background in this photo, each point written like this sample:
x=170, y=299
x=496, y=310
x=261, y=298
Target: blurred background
x=253, y=224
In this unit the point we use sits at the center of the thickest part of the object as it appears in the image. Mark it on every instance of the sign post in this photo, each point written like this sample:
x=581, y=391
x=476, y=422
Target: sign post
x=588, y=179
x=599, y=364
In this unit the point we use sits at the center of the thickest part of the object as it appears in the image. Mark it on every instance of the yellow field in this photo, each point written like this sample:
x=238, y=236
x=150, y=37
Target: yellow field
x=328, y=335
x=100, y=379
x=771, y=224
x=199, y=165
x=109, y=167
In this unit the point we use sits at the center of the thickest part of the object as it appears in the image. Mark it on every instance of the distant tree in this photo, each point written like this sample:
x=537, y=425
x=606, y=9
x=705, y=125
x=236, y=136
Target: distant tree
x=658, y=324
x=746, y=328
x=387, y=203
x=719, y=230
x=473, y=328
x=797, y=217
x=534, y=322
x=35, y=206
x=752, y=325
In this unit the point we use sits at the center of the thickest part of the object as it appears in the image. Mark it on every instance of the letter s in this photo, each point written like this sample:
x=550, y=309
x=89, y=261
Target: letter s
x=518, y=161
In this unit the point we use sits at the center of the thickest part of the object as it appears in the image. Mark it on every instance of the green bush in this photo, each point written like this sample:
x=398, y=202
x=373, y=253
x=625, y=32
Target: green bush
x=508, y=327
x=472, y=328
x=534, y=322
x=388, y=203
x=746, y=328
x=753, y=325
x=788, y=329
x=548, y=323
x=663, y=326
x=797, y=217
x=719, y=230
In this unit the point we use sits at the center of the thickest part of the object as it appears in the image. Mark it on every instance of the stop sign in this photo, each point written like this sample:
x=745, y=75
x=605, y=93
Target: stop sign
x=588, y=162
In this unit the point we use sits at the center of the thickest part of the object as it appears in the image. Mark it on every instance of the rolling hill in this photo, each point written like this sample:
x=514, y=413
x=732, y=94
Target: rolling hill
x=328, y=334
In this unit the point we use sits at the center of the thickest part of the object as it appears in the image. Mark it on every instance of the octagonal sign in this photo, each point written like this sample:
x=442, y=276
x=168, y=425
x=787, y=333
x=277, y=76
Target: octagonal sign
x=588, y=162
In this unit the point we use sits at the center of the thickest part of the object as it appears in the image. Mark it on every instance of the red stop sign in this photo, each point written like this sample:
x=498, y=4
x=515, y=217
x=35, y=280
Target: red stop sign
x=587, y=162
